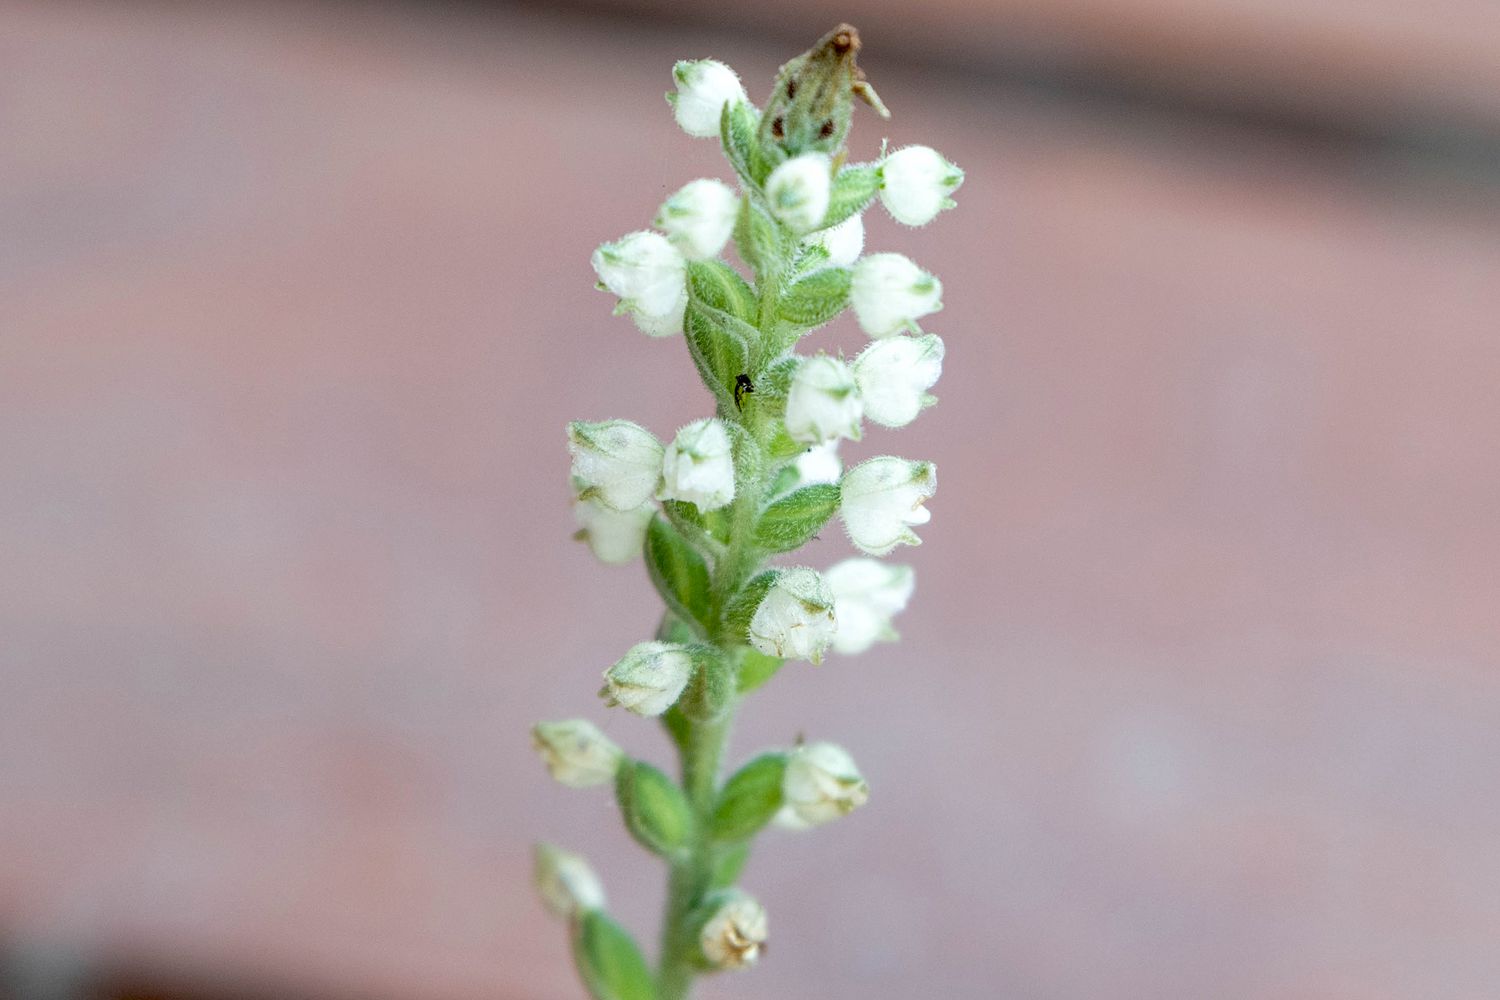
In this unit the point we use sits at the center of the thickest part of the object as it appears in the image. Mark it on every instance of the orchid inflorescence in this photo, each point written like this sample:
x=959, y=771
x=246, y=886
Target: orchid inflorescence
x=758, y=479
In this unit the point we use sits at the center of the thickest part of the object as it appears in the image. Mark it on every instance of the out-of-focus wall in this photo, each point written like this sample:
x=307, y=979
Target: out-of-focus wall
x=1198, y=695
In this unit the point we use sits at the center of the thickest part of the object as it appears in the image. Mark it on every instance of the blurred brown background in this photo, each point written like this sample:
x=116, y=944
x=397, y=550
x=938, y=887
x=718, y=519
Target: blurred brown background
x=1198, y=695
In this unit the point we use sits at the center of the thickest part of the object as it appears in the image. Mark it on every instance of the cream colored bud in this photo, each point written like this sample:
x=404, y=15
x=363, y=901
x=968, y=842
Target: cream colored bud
x=649, y=679
x=823, y=402
x=867, y=593
x=698, y=466
x=917, y=183
x=795, y=620
x=881, y=500
x=616, y=462
x=704, y=86
x=699, y=218
x=615, y=537
x=820, y=785
x=649, y=275
x=566, y=883
x=733, y=936
x=894, y=375
x=889, y=294
x=819, y=464
x=576, y=753
x=798, y=191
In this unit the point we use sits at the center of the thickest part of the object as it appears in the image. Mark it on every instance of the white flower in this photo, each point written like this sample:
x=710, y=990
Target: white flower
x=704, y=86
x=894, y=375
x=615, y=537
x=795, y=619
x=649, y=679
x=576, y=753
x=819, y=464
x=820, y=785
x=616, y=462
x=880, y=499
x=566, y=883
x=866, y=594
x=844, y=242
x=649, y=275
x=798, y=189
x=889, y=293
x=732, y=937
x=823, y=402
x=699, y=466
x=699, y=218
x=916, y=183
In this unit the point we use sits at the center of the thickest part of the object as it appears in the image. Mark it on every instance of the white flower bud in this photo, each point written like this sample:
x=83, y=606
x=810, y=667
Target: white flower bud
x=880, y=499
x=576, y=752
x=566, y=883
x=699, y=218
x=704, y=86
x=867, y=593
x=616, y=462
x=889, y=293
x=699, y=466
x=844, y=242
x=820, y=785
x=732, y=937
x=916, y=184
x=649, y=275
x=649, y=679
x=823, y=402
x=894, y=375
x=819, y=464
x=615, y=537
x=795, y=619
x=798, y=190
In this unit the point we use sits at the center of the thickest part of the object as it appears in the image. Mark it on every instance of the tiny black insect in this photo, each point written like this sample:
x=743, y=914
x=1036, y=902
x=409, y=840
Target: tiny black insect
x=742, y=385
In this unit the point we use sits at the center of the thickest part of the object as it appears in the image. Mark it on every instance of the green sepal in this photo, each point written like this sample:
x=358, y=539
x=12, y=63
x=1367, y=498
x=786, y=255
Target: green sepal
x=786, y=479
x=655, y=811
x=757, y=237
x=815, y=299
x=677, y=725
x=674, y=629
x=749, y=799
x=788, y=523
x=609, y=962
x=782, y=445
x=678, y=572
x=712, y=687
x=729, y=862
x=756, y=668
x=741, y=607
x=720, y=346
x=853, y=189
x=738, y=124
x=716, y=284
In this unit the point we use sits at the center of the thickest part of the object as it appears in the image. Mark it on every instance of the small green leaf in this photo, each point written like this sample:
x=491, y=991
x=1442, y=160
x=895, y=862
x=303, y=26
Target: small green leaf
x=720, y=346
x=853, y=189
x=816, y=299
x=742, y=606
x=609, y=962
x=674, y=629
x=750, y=798
x=677, y=726
x=656, y=812
x=677, y=571
x=739, y=124
x=728, y=864
x=712, y=687
x=788, y=523
x=756, y=668
x=758, y=238
x=782, y=446
x=716, y=284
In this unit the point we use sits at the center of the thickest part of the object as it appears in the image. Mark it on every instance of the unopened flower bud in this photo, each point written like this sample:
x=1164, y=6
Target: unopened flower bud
x=889, y=294
x=566, y=883
x=615, y=537
x=576, y=753
x=704, y=86
x=917, y=184
x=867, y=593
x=881, y=498
x=798, y=191
x=894, y=375
x=649, y=275
x=823, y=402
x=734, y=932
x=649, y=679
x=795, y=620
x=820, y=785
x=844, y=242
x=616, y=462
x=699, y=218
x=819, y=464
x=698, y=466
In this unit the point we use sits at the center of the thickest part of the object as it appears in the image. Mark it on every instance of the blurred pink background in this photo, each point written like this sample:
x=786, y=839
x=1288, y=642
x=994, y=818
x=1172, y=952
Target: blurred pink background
x=1198, y=696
